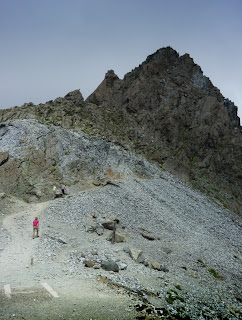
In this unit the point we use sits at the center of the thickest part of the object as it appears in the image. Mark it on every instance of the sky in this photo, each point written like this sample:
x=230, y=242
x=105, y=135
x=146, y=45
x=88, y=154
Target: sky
x=51, y=47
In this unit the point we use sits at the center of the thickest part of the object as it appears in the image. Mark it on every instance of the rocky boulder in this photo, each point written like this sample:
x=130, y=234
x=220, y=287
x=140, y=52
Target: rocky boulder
x=110, y=266
x=89, y=263
x=136, y=255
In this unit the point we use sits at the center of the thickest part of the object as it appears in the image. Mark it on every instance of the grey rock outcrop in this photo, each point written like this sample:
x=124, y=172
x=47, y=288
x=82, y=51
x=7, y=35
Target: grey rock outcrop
x=40, y=157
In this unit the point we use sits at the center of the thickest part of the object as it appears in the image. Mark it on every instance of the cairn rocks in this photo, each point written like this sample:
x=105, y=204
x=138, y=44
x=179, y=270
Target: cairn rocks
x=100, y=224
x=117, y=237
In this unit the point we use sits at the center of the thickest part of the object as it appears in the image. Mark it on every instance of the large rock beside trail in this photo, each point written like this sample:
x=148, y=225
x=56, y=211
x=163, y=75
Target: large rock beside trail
x=110, y=266
x=136, y=255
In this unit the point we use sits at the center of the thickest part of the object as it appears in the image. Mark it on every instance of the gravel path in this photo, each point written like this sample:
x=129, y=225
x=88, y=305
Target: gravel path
x=193, y=237
x=29, y=300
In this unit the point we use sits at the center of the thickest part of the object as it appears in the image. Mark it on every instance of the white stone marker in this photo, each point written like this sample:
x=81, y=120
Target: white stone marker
x=50, y=290
x=7, y=290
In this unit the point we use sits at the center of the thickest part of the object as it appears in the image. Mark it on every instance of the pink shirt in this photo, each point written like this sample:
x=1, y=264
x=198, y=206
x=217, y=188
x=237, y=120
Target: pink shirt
x=36, y=223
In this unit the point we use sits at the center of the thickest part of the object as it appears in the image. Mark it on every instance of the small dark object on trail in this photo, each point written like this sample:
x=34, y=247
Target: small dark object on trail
x=111, y=183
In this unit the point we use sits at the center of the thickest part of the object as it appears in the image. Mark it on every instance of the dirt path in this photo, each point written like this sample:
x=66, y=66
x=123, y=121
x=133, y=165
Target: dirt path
x=15, y=259
x=24, y=292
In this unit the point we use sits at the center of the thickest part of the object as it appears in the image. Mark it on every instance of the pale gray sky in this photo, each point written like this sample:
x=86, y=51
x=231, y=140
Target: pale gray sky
x=51, y=47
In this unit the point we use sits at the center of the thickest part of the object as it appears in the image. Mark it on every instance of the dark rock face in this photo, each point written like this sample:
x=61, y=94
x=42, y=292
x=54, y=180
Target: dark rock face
x=165, y=109
x=171, y=112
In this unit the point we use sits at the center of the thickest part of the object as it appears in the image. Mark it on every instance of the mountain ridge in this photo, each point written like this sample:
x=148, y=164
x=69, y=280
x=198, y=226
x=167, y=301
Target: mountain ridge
x=165, y=109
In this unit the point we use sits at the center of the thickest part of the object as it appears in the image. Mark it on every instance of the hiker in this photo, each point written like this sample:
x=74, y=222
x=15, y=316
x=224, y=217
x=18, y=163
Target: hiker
x=54, y=192
x=63, y=188
x=36, y=227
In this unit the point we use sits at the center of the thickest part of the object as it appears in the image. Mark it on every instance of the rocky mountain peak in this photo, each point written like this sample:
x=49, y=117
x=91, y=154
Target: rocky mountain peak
x=108, y=86
x=110, y=78
x=110, y=74
x=164, y=55
x=167, y=110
